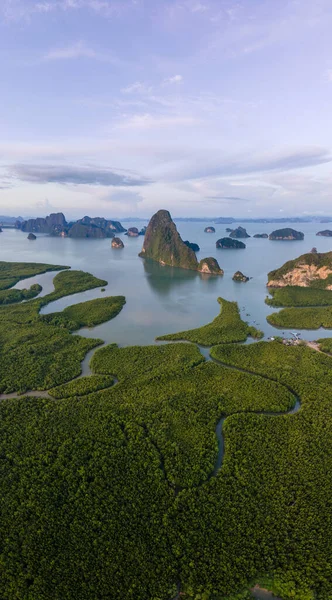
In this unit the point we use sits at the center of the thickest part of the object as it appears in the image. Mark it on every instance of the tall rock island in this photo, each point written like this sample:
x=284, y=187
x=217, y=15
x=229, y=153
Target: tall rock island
x=163, y=244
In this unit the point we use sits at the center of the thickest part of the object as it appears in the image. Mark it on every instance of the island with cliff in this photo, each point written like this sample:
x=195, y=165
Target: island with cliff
x=163, y=244
x=303, y=289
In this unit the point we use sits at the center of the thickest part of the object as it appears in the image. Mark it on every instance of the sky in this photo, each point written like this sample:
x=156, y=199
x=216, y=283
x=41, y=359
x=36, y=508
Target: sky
x=118, y=108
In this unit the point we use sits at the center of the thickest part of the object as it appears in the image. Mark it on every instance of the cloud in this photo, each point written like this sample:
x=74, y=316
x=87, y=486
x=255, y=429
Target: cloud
x=137, y=87
x=174, y=79
x=148, y=121
x=227, y=199
x=16, y=10
x=198, y=7
x=124, y=197
x=74, y=175
x=225, y=167
x=77, y=50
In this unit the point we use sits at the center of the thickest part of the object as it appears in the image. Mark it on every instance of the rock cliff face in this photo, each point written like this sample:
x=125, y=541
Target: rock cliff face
x=238, y=276
x=286, y=234
x=239, y=232
x=54, y=224
x=228, y=243
x=164, y=244
x=306, y=271
x=325, y=233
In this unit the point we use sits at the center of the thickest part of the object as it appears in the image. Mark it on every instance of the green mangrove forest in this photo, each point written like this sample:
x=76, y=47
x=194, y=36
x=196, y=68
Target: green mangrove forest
x=162, y=475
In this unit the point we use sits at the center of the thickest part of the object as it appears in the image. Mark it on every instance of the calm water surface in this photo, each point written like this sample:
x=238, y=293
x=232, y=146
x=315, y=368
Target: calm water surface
x=161, y=299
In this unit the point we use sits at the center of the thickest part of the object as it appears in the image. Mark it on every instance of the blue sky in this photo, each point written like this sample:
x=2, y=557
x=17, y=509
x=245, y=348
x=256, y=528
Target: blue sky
x=204, y=107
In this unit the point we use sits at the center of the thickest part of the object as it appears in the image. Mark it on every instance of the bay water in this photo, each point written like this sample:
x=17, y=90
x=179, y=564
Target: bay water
x=162, y=299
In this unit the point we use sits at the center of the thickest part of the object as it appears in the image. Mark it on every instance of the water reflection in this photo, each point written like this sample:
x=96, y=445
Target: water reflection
x=162, y=279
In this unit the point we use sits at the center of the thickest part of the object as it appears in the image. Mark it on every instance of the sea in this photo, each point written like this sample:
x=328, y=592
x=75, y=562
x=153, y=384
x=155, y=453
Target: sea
x=159, y=299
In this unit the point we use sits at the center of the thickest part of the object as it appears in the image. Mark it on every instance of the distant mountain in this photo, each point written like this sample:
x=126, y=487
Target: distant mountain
x=10, y=220
x=55, y=224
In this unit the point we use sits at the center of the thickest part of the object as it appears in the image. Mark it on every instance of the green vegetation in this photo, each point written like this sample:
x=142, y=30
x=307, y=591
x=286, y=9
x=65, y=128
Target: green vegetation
x=325, y=345
x=13, y=272
x=12, y=296
x=226, y=327
x=82, y=386
x=38, y=352
x=299, y=296
x=119, y=494
x=114, y=492
x=86, y=314
x=72, y=282
x=302, y=318
x=140, y=361
x=102, y=476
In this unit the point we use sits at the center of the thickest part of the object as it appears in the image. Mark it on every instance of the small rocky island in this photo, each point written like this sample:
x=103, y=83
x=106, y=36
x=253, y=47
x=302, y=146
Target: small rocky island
x=261, y=235
x=325, y=233
x=209, y=230
x=307, y=270
x=238, y=276
x=229, y=230
x=287, y=234
x=210, y=266
x=117, y=243
x=239, y=232
x=228, y=243
x=32, y=236
x=132, y=232
x=163, y=244
x=192, y=245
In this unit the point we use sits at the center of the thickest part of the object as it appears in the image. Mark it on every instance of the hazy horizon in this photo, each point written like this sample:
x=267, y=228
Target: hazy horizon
x=204, y=107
